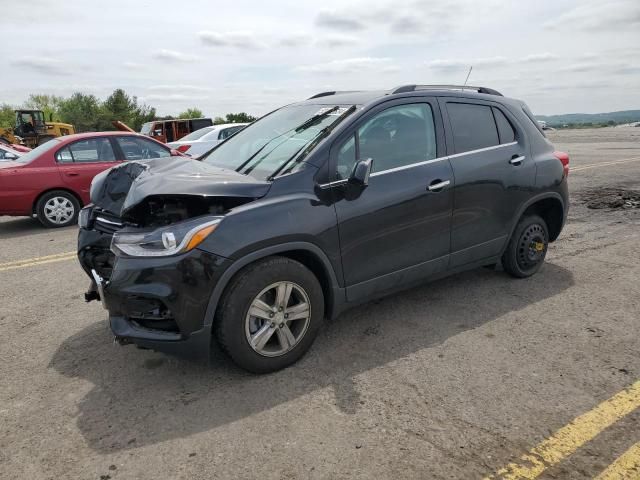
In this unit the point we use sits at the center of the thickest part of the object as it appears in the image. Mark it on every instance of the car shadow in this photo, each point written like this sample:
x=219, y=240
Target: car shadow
x=12, y=227
x=141, y=397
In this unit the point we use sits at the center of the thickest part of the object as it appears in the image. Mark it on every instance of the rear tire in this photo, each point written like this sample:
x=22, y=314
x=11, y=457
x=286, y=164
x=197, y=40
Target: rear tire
x=272, y=339
x=527, y=247
x=57, y=209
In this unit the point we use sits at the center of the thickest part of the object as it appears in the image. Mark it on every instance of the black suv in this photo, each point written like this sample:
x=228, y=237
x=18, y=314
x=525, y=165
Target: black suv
x=314, y=208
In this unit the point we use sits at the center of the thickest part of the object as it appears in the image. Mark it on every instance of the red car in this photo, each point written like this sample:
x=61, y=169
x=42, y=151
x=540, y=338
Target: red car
x=52, y=181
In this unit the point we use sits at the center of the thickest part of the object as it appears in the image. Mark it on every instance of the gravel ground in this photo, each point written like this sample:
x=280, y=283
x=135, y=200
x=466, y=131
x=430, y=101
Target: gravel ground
x=453, y=379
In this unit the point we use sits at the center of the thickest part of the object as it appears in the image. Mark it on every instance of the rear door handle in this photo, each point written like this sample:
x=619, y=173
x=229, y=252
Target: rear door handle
x=438, y=185
x=516, y=160
x=72, y=174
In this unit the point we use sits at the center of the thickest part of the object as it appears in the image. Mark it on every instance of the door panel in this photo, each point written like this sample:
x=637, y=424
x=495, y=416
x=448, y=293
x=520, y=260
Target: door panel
x=396, y=223
x=80, y=161
x=489, y=188
x=395, y=230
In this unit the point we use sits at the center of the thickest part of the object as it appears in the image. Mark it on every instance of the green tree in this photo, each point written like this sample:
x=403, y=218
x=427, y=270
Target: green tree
x=49, y=104
x=7, y=116
x=240, y=118
x=191, y=113
x=80, y=110
x=120, y=106
x=235, y=118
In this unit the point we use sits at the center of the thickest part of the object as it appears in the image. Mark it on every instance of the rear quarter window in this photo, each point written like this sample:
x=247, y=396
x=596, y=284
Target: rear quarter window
x=473, y=126
x=506, y=131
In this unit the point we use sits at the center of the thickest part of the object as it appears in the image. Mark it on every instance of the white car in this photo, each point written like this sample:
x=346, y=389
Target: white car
x=203, y=140
x=8, y=153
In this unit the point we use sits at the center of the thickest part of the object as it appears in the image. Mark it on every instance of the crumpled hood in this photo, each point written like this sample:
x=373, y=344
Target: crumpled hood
x=120, y=188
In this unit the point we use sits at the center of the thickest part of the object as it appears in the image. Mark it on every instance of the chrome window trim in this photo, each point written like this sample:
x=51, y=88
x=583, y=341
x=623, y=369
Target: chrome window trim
x=110, y=222
x=426, y=162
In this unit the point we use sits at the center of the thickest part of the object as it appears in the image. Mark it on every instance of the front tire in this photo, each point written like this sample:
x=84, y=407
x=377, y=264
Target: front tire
x=527, y=247
x=57, y=209
x=270, y=314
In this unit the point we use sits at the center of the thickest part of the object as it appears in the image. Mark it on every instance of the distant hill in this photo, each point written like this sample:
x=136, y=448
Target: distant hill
x=625, y=116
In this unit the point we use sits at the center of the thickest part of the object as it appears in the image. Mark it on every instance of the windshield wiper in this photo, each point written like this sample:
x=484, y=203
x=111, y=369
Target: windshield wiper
x=305, y=149
x=316, y=118
x=307, y=123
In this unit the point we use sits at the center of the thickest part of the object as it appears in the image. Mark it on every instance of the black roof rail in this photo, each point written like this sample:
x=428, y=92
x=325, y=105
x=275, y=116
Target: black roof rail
x=326, y=94
x=413, y=88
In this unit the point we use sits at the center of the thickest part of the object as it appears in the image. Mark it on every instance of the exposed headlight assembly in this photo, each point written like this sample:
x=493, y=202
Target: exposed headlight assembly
x=163, y=242
x=84, y=216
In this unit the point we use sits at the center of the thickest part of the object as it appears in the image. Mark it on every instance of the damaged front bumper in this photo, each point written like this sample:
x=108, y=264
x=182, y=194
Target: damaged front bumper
x=157, y=303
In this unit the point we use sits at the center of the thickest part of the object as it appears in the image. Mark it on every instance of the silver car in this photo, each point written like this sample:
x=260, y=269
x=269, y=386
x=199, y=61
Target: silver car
x=8, y=153
x=203, y=140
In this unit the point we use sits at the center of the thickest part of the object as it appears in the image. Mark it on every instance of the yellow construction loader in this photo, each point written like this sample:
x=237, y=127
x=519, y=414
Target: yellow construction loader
x=32, y=130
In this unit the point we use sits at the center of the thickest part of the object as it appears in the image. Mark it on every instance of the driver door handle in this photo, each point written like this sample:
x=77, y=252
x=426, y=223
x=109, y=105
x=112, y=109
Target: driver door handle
x=516, y=160
x=438, y=185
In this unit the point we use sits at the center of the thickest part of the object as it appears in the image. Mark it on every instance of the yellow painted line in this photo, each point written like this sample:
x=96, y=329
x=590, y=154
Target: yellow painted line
x=569, y=438
x=29, y=262
x=604, y=164
x=626, y=466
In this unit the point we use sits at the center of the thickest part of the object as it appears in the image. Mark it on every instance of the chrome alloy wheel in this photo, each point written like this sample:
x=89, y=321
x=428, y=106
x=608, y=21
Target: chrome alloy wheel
x=277, y=319
x=59, y=210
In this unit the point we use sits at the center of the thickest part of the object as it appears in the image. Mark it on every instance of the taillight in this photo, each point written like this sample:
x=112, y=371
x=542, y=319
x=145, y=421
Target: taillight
x=183, y=148
x=564, y=159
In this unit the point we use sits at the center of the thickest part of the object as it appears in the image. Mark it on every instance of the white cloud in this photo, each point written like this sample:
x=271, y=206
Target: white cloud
x=295, y=40
x=239, y=39
x=338, y=21
x=336, y=40
x=173, y=56
x=44, y=65
x=539, y=57
x=134, y=65
x=178, y=88
x=599, y=16
x=347, y=65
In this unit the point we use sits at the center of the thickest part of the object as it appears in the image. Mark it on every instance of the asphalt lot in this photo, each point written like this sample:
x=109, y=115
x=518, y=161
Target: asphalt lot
x=467, y=377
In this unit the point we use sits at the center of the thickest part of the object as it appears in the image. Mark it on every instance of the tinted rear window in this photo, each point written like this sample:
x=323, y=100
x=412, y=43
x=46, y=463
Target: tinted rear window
x=473, y=126
x=505, y=129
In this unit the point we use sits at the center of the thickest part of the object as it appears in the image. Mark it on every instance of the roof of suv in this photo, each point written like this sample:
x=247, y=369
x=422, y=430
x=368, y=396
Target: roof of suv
x=364, y=97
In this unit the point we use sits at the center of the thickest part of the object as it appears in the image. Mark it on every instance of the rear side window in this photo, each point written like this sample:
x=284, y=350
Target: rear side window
x=138, y=148
x=473, y=126
x=505, y=129
x=86, y=151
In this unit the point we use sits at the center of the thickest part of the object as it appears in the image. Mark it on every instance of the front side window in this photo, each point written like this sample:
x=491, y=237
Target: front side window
x=277, y=143
x=227, y=132
x=473, y=126
x=136, y=148
x=396, y=137
x=87, y=151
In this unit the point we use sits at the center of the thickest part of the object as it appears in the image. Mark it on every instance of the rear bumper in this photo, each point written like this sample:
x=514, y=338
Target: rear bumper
x=157, y=303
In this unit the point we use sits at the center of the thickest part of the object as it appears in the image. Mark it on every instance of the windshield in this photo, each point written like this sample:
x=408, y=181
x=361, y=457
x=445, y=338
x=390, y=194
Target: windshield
x=146, y=128
x=197, y=134
x=263, y=148
x=36, y=152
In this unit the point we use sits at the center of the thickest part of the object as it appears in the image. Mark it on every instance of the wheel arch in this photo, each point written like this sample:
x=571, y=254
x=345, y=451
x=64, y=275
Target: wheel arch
x=550, y=206
x=55, y=189
x=308, y=254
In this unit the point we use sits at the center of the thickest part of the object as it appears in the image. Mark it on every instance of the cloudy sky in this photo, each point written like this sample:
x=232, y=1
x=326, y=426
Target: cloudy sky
x=559, y=56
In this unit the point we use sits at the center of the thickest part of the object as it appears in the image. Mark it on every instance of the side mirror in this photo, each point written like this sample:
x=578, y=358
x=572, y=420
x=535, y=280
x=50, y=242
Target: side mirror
x=360, y=173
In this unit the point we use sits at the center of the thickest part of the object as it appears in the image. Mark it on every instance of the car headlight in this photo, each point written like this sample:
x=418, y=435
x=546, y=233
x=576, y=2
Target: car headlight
x=84, y=216
x=170, y=240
